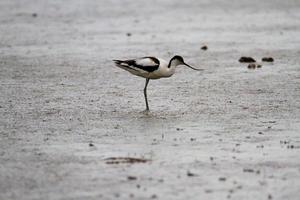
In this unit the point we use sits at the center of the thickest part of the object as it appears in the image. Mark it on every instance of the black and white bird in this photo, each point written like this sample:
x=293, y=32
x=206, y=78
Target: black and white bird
x=151, y=68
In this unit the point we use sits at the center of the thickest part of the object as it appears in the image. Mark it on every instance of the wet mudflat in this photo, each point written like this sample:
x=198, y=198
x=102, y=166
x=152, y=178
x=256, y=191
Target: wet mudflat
x=72, y=126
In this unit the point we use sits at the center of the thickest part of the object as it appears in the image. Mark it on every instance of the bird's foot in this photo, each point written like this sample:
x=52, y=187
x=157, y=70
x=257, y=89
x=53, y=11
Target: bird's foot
x=147, y=111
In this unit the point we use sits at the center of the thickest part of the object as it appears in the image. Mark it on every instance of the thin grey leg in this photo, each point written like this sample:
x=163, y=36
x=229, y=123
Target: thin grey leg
x=145, y=93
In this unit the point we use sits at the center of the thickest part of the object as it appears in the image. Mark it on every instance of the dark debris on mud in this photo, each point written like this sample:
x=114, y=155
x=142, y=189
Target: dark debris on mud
x=125, y=160
x=245, y=59
x=131, y=178
x=204, y=48
x=267, y=59
x=254, y=66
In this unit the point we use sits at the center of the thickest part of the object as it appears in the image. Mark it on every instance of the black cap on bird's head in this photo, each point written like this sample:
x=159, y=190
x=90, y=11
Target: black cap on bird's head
x=178, y=60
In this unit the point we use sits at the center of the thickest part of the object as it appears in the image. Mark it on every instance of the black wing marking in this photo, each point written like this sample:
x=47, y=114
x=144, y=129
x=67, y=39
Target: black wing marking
x=133, y=64
x=124, y=64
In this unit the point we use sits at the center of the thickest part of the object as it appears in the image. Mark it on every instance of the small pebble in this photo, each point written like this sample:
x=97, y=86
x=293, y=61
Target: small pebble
x=251, y=66
x=267, y=59
x=91, y=144
x=131, y=178
x=204, y=48
x=248, y=170
x=190, y=174
x=246, y=60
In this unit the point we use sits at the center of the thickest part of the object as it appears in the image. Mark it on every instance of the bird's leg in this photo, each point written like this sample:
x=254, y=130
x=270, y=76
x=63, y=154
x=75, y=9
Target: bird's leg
x=145, y=94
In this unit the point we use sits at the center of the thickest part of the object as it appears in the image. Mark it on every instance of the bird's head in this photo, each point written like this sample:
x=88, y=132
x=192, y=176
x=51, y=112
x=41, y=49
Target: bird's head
x=178, y=60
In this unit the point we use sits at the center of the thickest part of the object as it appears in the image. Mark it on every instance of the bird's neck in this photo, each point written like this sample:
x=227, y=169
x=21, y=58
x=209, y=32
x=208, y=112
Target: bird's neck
x=173, y=63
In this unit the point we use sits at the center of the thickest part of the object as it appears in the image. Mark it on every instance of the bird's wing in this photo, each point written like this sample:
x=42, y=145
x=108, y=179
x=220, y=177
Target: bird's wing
x=145, y=64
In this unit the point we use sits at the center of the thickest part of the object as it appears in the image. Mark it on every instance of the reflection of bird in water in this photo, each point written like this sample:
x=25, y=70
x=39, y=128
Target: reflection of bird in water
x=151, y=68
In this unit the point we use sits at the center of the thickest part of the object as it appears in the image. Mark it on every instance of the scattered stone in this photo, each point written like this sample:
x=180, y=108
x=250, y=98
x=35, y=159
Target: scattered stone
x=34, y=15
x=222, y=179
x=91, y=144
x=193, y=139
x=270, y=197
x=259, y=66
x=190, y=174
x=154, y=196
x=131, y=178
x=251, y=171
x=267, y=59
x=284, y=142
x=204, y=48
x=248, y=170
x=260, y=133
x=246, y=60
x=252, y=66
x=128, y=34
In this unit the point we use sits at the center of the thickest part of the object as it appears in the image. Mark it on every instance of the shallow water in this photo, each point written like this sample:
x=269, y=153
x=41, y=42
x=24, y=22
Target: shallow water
x=226, y=132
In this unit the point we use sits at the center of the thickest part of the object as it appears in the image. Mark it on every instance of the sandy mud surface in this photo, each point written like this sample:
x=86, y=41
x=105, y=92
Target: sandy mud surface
x=71, y=125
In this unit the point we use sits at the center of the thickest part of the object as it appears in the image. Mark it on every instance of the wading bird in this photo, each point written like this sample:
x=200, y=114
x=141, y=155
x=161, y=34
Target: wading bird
x=151, y=68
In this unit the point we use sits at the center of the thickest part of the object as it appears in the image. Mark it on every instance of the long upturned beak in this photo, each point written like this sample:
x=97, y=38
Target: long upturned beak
x=192, y=67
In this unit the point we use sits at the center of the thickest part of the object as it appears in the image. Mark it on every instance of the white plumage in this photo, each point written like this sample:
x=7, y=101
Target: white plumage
x=151, y=68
